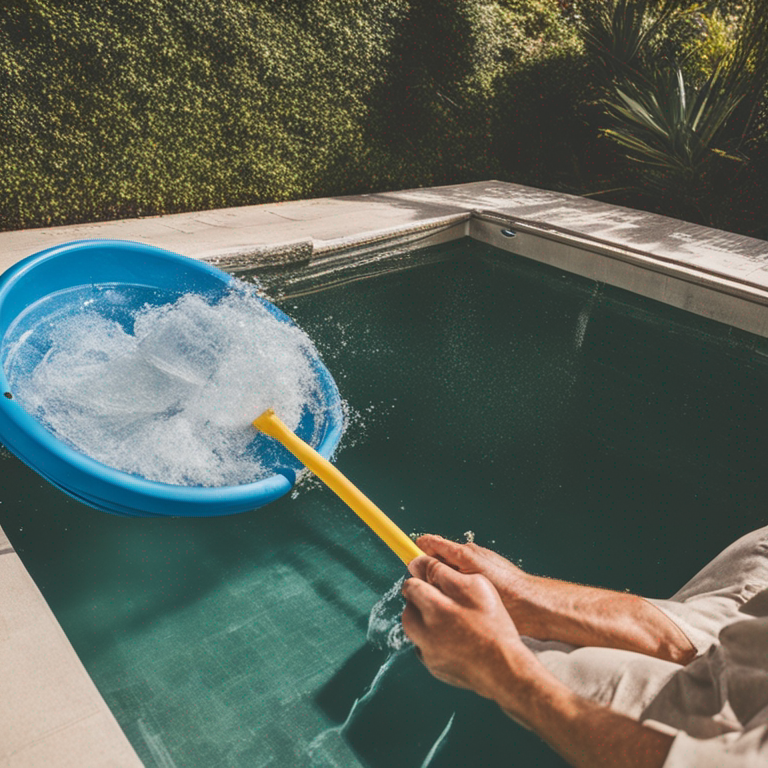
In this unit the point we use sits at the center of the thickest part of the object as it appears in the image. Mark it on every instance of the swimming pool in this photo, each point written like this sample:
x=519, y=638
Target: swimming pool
x=585, y=431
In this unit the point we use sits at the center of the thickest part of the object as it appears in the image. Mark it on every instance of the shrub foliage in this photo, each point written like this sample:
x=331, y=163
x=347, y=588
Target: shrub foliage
x=138, y=107
x=146, y=106
x=682, y=105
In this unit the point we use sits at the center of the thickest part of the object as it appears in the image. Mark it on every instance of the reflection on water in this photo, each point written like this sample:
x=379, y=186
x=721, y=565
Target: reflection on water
x=318, y=744
x=587, y=432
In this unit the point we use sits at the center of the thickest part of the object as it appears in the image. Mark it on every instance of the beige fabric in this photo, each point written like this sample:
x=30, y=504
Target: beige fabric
x=717, y=706
x=748, y=750
x=714, y=596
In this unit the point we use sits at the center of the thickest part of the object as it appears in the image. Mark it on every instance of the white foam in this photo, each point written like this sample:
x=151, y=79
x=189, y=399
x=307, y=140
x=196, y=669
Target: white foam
x=385, y=628
x=174, y=400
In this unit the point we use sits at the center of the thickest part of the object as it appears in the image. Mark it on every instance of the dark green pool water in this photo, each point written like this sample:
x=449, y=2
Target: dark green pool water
x=591, y=434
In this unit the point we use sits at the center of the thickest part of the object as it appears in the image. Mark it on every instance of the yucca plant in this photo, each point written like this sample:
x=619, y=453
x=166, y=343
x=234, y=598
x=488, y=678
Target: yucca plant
x=626, y=34
x=679, y=136
x=666, y=126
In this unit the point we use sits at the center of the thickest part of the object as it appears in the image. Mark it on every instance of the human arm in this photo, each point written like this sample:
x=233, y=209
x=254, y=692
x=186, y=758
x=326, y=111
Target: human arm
x=467, y=638
x=548, y=609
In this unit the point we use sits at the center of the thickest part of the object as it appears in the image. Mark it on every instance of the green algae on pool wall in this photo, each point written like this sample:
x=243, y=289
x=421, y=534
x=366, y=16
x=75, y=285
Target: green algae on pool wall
x=587, y=433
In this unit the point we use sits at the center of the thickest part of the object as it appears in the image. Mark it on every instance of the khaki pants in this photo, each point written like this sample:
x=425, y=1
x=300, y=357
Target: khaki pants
x=717, y=596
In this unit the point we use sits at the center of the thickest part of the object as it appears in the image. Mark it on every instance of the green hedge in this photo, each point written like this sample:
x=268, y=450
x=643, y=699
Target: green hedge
x=144, y=106
x=133, y=107
x=479, y=90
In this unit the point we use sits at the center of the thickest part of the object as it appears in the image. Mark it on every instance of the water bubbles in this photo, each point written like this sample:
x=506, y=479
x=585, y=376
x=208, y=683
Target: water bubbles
x=385, y=629
x=170, y=396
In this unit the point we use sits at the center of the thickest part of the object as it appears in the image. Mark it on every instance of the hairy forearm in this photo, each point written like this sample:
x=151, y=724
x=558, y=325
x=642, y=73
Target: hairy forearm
x=466, y=635
x=548, y=609
x=584, y=733
x=572, y=613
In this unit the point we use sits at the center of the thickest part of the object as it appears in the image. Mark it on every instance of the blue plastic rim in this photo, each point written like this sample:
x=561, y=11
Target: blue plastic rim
x=43, y=280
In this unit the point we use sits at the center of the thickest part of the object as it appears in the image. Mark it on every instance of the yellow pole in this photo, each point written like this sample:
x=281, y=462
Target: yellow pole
x=370, y=514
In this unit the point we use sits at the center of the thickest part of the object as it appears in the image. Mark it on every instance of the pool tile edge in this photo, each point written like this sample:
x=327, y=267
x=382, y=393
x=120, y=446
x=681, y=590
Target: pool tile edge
x=711, y=273
x=732, y=298
x=51, y=713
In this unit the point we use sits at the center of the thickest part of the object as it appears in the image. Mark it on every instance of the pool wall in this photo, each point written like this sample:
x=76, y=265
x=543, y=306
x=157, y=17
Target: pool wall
x=730, y=287
x=51, y=713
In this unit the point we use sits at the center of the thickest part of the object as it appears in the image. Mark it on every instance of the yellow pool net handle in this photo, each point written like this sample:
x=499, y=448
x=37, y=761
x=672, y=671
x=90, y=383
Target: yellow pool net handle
x=371, y=515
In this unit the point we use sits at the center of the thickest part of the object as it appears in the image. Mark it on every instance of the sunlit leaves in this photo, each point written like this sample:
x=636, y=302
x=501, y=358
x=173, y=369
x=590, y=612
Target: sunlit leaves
x=676, y=127
x=148, y=106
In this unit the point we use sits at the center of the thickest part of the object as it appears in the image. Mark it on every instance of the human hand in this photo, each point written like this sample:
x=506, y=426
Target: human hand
x=549, y=609
x=515, y=587
x=462, y=630
x=467, y=638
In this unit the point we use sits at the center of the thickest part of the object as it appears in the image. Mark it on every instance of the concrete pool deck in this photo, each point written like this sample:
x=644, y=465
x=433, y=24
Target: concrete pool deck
x=52, y=714
x=716, y=274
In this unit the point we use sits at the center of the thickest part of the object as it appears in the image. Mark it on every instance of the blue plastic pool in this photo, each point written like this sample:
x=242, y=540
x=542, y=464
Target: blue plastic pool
x=591, y=434
x=56, y=283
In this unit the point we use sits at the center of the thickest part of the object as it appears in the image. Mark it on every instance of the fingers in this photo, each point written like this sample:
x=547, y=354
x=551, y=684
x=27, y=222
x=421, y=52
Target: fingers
x=446, y=579
x=459, y=587
x=457, y=555
x=436, y=573
x=418, y=567
x=424, y=603
x=413, y=623
x=427, y=598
